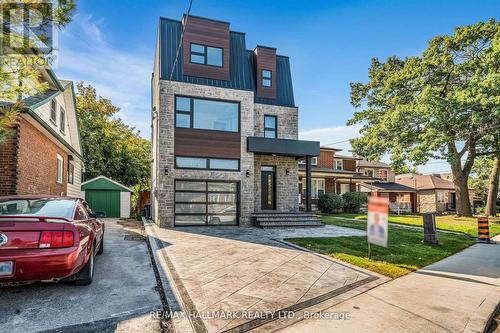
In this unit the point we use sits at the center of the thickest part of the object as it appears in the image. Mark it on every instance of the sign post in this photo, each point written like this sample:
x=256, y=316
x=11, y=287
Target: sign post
x=378, y=215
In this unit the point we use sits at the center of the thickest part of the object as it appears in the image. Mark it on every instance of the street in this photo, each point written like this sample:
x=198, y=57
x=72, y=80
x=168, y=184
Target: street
x=119, y=299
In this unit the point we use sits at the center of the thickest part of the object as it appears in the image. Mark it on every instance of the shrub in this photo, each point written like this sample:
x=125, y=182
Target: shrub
x=353, y=201
x=330, y=203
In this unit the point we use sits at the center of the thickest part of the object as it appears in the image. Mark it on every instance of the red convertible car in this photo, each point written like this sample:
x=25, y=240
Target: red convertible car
x=48, y=239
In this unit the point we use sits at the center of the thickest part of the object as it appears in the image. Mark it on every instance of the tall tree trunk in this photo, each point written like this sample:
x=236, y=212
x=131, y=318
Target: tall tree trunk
x=462, y=193
x=491, y=202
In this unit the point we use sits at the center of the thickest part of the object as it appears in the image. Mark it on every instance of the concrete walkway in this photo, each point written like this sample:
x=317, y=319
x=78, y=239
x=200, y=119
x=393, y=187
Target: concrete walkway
x=239, y=279
x=457, y=294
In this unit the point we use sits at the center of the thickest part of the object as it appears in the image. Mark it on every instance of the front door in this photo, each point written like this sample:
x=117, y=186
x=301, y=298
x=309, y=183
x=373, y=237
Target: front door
x=268, y=187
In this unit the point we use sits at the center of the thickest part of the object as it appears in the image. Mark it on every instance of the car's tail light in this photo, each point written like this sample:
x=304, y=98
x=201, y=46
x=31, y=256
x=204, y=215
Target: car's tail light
x=56, y=239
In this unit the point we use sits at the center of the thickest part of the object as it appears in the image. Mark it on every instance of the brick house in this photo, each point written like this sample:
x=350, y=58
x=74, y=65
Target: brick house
x=336, y=173
x=224, y=129
x=42, y=154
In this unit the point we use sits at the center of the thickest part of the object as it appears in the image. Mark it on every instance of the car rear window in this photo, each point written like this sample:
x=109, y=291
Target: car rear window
x=37, y=207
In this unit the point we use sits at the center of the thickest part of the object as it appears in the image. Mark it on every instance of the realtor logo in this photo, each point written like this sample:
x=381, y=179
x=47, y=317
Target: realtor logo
x=26, y=25
x=3, y=239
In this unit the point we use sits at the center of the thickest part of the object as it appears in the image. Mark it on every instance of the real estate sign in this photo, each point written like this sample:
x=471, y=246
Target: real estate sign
x=378, y=214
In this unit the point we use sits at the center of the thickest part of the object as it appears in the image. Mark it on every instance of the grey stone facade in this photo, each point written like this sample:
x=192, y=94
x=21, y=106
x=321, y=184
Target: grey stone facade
x=252, y=119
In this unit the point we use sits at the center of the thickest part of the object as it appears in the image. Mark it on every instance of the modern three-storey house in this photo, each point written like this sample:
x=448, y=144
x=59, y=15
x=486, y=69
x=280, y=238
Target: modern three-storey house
x=224, y=128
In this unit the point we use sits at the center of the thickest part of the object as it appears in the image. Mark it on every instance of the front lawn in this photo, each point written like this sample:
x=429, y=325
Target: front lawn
x=467, y=225
x=404, y=254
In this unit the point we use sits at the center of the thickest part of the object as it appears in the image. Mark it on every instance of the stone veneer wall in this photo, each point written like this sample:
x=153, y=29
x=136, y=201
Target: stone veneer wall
x=165, y=200
x=287, y=120
x=287, y=187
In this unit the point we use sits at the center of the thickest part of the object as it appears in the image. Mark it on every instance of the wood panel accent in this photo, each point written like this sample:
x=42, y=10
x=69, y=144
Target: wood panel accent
x=325, y=159
x=210, y=33
x=329, y=185
x=349, y=165
x=206, y=143
x=265, y=58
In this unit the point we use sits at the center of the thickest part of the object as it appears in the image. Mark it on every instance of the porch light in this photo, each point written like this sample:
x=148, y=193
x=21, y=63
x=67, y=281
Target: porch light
x=247, y=173
x=165, y=171
x=287, y=171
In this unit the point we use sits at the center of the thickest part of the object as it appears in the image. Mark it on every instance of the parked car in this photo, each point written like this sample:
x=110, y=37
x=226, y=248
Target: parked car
x=48, y=239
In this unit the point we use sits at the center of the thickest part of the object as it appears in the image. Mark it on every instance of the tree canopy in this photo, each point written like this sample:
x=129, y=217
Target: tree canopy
x=444, y=104
x=110, y=147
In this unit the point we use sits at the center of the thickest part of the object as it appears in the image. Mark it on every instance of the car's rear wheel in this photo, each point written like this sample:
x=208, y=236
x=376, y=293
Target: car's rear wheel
x=86, y=275
x=101, y=246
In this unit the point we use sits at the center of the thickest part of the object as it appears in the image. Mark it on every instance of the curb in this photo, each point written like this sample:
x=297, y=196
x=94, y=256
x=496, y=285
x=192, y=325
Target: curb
x=482, y=318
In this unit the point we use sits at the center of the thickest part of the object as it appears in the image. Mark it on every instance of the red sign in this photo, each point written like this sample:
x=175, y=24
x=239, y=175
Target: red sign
x=378, y=215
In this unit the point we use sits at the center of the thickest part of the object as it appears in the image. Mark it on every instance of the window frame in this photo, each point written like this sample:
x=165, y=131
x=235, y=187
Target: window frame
x=275, y=129
x=191, y=112
x=314, y=161
x=53, y=111
x=62, y=120
x=59, y=172
x=366, y=174
x=71, y=172
x=205, y=55
x=207, y=163
x=335, y=160
x=262, y=78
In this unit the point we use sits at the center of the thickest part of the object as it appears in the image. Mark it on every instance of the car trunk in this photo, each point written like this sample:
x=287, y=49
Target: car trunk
x=24, y=233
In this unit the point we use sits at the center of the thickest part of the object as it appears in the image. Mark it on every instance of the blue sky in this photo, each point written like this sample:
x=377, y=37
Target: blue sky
x=110, y=45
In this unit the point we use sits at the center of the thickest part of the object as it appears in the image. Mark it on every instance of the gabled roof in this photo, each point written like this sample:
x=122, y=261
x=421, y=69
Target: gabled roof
x=242, y=73
x=103, y=183
x=425, y=182
x=372, y=164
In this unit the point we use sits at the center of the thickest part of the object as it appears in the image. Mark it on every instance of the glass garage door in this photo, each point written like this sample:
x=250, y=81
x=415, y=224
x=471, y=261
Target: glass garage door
x=206, y=203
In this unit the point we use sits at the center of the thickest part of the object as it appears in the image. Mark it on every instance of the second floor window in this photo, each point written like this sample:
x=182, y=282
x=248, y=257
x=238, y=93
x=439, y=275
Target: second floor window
x=206, y=55
x=338, y=164
x=62, y=120
x=270, y=127
x=71, y=172
x=314, y=161
x=266, y=78
x=369, y=172
x=382, y=174
x=207, y=114
x=53, y=111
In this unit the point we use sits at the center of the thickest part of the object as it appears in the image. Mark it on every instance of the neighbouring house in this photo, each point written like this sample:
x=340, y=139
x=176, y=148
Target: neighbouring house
x=434, y=194
x=335, y=173
x=43, y=154
x=108, y=196
x=224, y=128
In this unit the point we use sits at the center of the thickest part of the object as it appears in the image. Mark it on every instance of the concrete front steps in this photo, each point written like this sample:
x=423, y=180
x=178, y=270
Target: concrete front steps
x=285, y=220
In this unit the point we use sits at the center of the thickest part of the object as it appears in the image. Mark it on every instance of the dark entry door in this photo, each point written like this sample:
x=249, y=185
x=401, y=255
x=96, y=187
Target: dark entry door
x=268, y=187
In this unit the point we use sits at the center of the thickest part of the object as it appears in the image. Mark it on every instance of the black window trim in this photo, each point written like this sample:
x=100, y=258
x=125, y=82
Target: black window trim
x=207, y=163
x=191, y=112
x=270, y=78
x=205, y=55
x=206, y=203
x=53, y=102
x=274, y=129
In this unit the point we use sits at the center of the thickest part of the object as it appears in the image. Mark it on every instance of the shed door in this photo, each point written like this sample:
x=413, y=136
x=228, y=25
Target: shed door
x=104, y=201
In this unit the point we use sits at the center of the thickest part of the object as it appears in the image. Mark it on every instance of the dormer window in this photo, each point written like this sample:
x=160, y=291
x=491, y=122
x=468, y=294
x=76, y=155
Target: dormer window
x=338, y=164
x=53, y=111
x=266, y=78
x=205, y=55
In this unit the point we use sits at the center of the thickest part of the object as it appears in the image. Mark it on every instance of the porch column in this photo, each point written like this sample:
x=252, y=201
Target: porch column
x=308, y=183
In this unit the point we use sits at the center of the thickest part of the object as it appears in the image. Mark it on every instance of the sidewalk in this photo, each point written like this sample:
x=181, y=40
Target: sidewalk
x=457, y=294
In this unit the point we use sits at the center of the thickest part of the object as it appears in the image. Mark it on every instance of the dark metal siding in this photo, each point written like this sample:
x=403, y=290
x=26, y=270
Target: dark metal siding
x=242, y=66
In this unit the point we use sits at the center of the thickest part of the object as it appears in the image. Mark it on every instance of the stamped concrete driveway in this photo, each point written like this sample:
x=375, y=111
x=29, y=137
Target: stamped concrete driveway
x=251, y=276
x=119, y=299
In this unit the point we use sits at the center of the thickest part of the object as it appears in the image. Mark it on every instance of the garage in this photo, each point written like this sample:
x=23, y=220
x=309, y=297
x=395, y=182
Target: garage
x=206, y=202
x=106, y=195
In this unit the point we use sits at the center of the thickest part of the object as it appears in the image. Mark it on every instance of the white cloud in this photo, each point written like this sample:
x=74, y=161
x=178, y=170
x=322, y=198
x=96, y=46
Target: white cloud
x=121, y=76
x=334, y=137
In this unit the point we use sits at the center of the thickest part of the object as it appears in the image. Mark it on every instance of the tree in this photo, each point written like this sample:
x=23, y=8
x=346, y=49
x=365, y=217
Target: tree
x=492, y=198
x=440, y=104
x=20, y=72
x=110, y=147
x=400, y=169
x=479, y=177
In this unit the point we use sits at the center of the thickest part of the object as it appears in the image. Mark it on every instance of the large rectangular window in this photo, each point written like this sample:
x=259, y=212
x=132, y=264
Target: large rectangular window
x=207, y=114
x=206, y=202
x=266, y=78
x=207, y=163
x=270, y=127
x=206, y=55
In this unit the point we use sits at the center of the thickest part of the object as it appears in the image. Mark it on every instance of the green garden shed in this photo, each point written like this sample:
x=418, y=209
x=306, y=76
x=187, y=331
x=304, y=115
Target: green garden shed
x=108, y=196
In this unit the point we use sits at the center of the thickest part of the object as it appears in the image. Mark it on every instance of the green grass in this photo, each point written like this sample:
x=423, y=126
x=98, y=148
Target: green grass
x=405, y=252
x=466, y=225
